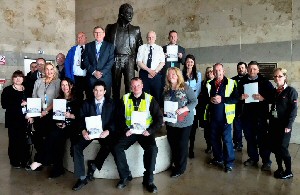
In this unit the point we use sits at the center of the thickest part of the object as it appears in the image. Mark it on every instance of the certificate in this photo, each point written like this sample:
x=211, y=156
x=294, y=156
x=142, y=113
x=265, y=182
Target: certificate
x=250, y=89
x=94, y=126
x=170, y=111
x=34, y=107
x=138, y=122
x=59, y=109
x=172, y=53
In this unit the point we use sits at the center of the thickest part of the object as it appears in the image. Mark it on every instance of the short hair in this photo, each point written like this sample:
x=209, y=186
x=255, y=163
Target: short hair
x=136, y=79
x=17, y=73
x=216, y=64
x=253, y=63
x=100, y=83
x=96, y=27
x=241, y=63
x=41, y=59
x=172, y=31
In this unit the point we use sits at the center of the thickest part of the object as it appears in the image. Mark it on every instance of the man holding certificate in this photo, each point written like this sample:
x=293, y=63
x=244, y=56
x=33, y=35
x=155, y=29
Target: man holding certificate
x=257, y=92
x=140, y=119
x=103, y=108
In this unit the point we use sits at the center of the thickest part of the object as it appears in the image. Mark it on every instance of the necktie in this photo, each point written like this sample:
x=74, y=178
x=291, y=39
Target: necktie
x=149, y=58
x=81, y=64
x=98, y=109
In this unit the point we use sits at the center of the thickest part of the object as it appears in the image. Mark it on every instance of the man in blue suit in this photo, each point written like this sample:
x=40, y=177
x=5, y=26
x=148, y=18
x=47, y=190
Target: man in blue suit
x=98, y=61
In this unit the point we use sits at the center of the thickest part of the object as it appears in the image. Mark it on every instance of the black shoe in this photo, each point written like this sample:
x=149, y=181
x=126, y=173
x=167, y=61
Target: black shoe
x=278, y=173
x=266, y=167
x=216, y=163
x=123, y=182
x=175, y=174
x=16, y=166
x=91, y=169
x=150, y=187
x=228, y=169
x=250, y=162
x=55, y=173
x=287, y=175
x=79, y=184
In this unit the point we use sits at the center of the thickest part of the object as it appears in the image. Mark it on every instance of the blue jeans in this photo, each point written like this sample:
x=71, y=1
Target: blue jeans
x=221, y=141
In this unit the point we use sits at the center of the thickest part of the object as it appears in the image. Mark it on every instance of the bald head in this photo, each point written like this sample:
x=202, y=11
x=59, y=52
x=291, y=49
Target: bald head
x=151, y=37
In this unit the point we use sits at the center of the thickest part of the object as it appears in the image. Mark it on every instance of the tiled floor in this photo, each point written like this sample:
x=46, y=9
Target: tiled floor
x=200, y=178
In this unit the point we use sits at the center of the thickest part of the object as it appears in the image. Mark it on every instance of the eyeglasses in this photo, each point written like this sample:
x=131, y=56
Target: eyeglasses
x=278, y=76
x=98, y=32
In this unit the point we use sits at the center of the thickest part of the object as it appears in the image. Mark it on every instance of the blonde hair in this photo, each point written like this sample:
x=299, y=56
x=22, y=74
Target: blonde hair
x=180, y=82
x=54, y=69
x=284, y=72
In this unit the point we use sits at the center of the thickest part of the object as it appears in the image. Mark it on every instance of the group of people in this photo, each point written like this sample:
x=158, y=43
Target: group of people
x=94, y=69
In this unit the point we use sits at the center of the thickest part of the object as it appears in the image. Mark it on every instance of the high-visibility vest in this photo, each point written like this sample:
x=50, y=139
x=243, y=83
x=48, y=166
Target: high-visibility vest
x=229, y=108
x=143, y=107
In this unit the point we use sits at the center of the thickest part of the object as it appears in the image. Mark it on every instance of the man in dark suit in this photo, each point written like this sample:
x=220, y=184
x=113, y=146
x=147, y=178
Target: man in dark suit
x=98, y=61
x=126, y=39
x=99, y=105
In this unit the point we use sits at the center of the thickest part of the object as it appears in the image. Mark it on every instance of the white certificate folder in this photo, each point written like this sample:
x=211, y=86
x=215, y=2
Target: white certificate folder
x=34, y=107
x=94, y=126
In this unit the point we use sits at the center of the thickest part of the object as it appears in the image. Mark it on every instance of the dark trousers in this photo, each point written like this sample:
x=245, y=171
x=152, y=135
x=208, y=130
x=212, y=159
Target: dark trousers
x=123, y=65
x=150, y=152
x=18, y=149
x=207, y=133
x=179, y=139
x=55, y=147
x=105, y=149
x=152, y=86
x=221, y=141
x=193, y=134
x=279, y=144
x=237, y=132
x=42, y=128
x=255, y=131
x=81, y=87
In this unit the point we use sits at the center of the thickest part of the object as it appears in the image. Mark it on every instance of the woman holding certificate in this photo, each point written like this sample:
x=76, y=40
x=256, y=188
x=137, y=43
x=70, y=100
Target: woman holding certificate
x=13, y=99
x=180, y=95
x=283, y=114
x=47, y=89
x=64, y=128
x=192, y=78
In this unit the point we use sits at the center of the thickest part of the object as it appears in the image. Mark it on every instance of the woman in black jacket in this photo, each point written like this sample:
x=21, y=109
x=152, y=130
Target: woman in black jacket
x=283, y=114
x=13, y=99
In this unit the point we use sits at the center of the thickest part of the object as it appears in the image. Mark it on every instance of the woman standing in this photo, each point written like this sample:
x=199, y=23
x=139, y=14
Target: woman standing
x=13, y=99
x=55, y=142
x=47, y=89
x=192, y=78
x=178, y=133
x=283, y=114
x=209, y=75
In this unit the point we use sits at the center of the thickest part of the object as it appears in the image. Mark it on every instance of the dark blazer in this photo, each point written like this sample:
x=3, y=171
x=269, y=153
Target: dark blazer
x=108, y=112
x=104, y=64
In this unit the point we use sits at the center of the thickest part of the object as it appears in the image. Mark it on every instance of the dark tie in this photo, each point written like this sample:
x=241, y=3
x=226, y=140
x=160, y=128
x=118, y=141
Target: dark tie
x=149, y=58
x=82, y=66
x=98, y=109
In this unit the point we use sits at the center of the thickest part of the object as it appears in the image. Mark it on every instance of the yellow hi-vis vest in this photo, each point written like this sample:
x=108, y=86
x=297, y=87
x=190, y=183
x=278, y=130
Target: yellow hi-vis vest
x=143, y=107
x=229, y=108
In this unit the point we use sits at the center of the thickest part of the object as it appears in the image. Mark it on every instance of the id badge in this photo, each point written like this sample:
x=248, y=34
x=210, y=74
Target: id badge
x=24, y=110
x=44, y=106
x=274, y=114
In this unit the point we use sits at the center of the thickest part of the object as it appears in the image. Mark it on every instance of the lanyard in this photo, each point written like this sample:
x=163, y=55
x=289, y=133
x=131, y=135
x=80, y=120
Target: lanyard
x=45, y=91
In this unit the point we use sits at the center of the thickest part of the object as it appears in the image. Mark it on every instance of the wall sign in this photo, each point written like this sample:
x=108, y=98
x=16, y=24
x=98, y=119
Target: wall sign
x=266, y=69
x=2, y=60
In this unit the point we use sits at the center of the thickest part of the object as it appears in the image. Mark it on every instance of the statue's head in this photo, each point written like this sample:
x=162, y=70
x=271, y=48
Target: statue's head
x=126, y=12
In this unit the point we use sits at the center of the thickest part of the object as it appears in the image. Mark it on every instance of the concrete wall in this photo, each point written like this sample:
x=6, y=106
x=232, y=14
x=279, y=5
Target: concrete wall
x=226, y=31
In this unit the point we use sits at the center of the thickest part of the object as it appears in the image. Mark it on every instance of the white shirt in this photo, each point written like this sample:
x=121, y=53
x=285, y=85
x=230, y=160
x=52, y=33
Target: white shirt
x=77, y=61
x=158, y=55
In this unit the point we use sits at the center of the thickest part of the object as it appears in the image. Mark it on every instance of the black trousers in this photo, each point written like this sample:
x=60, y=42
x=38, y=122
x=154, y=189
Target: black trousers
x=150, y=152
x=55, y=147
x=18, y=149
x=42, y=128
x=178, y=139
x=123, y=65
x=152, y=86
x=81, y=86
x=105, y=149
x=193, y=134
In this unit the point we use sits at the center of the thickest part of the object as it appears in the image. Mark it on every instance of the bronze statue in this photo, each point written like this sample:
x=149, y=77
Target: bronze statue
x=126, y=38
